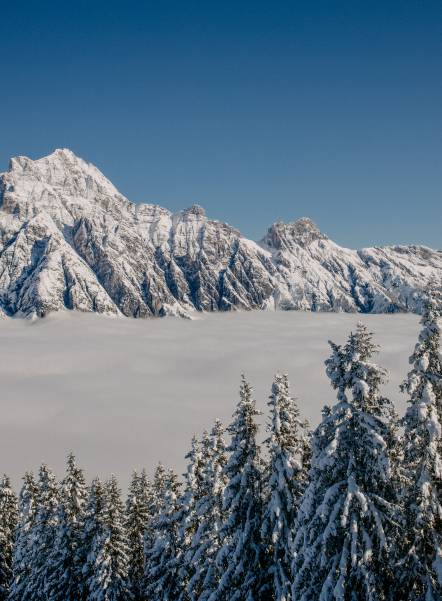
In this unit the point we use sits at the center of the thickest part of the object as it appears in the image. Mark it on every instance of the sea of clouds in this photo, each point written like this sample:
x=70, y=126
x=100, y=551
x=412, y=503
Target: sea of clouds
x=124, y=393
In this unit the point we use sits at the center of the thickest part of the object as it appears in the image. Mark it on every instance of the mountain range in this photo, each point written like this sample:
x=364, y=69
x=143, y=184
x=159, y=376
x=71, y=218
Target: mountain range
x=70, y=240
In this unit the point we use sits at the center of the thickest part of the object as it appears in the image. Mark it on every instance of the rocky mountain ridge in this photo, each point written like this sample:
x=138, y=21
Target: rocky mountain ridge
x=70, y=240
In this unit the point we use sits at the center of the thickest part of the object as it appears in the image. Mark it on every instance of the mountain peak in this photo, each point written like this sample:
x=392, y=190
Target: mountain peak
x=305, y=224
x=64, y=155
x=194, y=211
x=63, y=170
x=59, y=154
x=303, y=231
x=63, y=152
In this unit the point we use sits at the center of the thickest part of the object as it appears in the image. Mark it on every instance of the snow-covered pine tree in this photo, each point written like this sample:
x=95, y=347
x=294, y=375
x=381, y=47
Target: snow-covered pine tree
x=109, y=554
x=188, y=516
x=239, y=558
x=8, y=526
x=64, y=579
x=43, y=534
x=92, y=531
x=348, y=514
x=162, y=581
x=288, y=455
x=21, y=559
x=159, y=484
x=205, y=543
x=420, y=576
x=138, y=513
x=157, y=506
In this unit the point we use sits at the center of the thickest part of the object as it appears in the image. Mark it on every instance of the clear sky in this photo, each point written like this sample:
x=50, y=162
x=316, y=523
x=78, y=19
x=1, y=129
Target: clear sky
x=256, y=110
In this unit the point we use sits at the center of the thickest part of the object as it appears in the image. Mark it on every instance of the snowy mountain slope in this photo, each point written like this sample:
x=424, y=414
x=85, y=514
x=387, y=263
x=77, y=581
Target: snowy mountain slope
x=69, y=239
x=317, y=274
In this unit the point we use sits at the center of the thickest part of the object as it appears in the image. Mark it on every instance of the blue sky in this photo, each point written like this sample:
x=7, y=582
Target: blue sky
x=258, y=111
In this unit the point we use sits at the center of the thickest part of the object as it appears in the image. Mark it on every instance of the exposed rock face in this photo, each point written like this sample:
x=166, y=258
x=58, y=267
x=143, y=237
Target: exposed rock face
x=70, y=240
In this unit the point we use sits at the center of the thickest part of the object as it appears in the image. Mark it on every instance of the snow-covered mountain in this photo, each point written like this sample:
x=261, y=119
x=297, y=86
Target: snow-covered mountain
x=70, y=240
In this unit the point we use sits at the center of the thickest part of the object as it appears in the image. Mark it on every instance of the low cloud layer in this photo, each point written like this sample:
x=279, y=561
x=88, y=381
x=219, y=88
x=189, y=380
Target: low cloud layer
x=123, y=394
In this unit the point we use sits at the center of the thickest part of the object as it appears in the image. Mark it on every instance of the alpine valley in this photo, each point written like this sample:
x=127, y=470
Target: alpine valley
x=70, y=240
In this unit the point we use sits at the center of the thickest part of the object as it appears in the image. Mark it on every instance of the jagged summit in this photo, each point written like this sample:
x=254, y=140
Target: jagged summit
x=194, y=211
x=60, y=169
x=61, y=154
x=303, y=231
x=70, y=240
x=304, y=225
x=58, y=156
x=60, y=183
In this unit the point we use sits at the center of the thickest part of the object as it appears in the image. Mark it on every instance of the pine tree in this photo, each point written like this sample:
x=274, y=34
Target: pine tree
x=157, y=506
x=92, y=531
x=205, y=542
x=239, y=559
x=64, y=580
x=8, y=526
x=162, y=557
x=159, y=485
x=288, y=451
x=188, y=517
x=109, y=554
x=421, y=570
x=138, y=513
x=43, y=535
x=22, y=553
x=348, y=513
